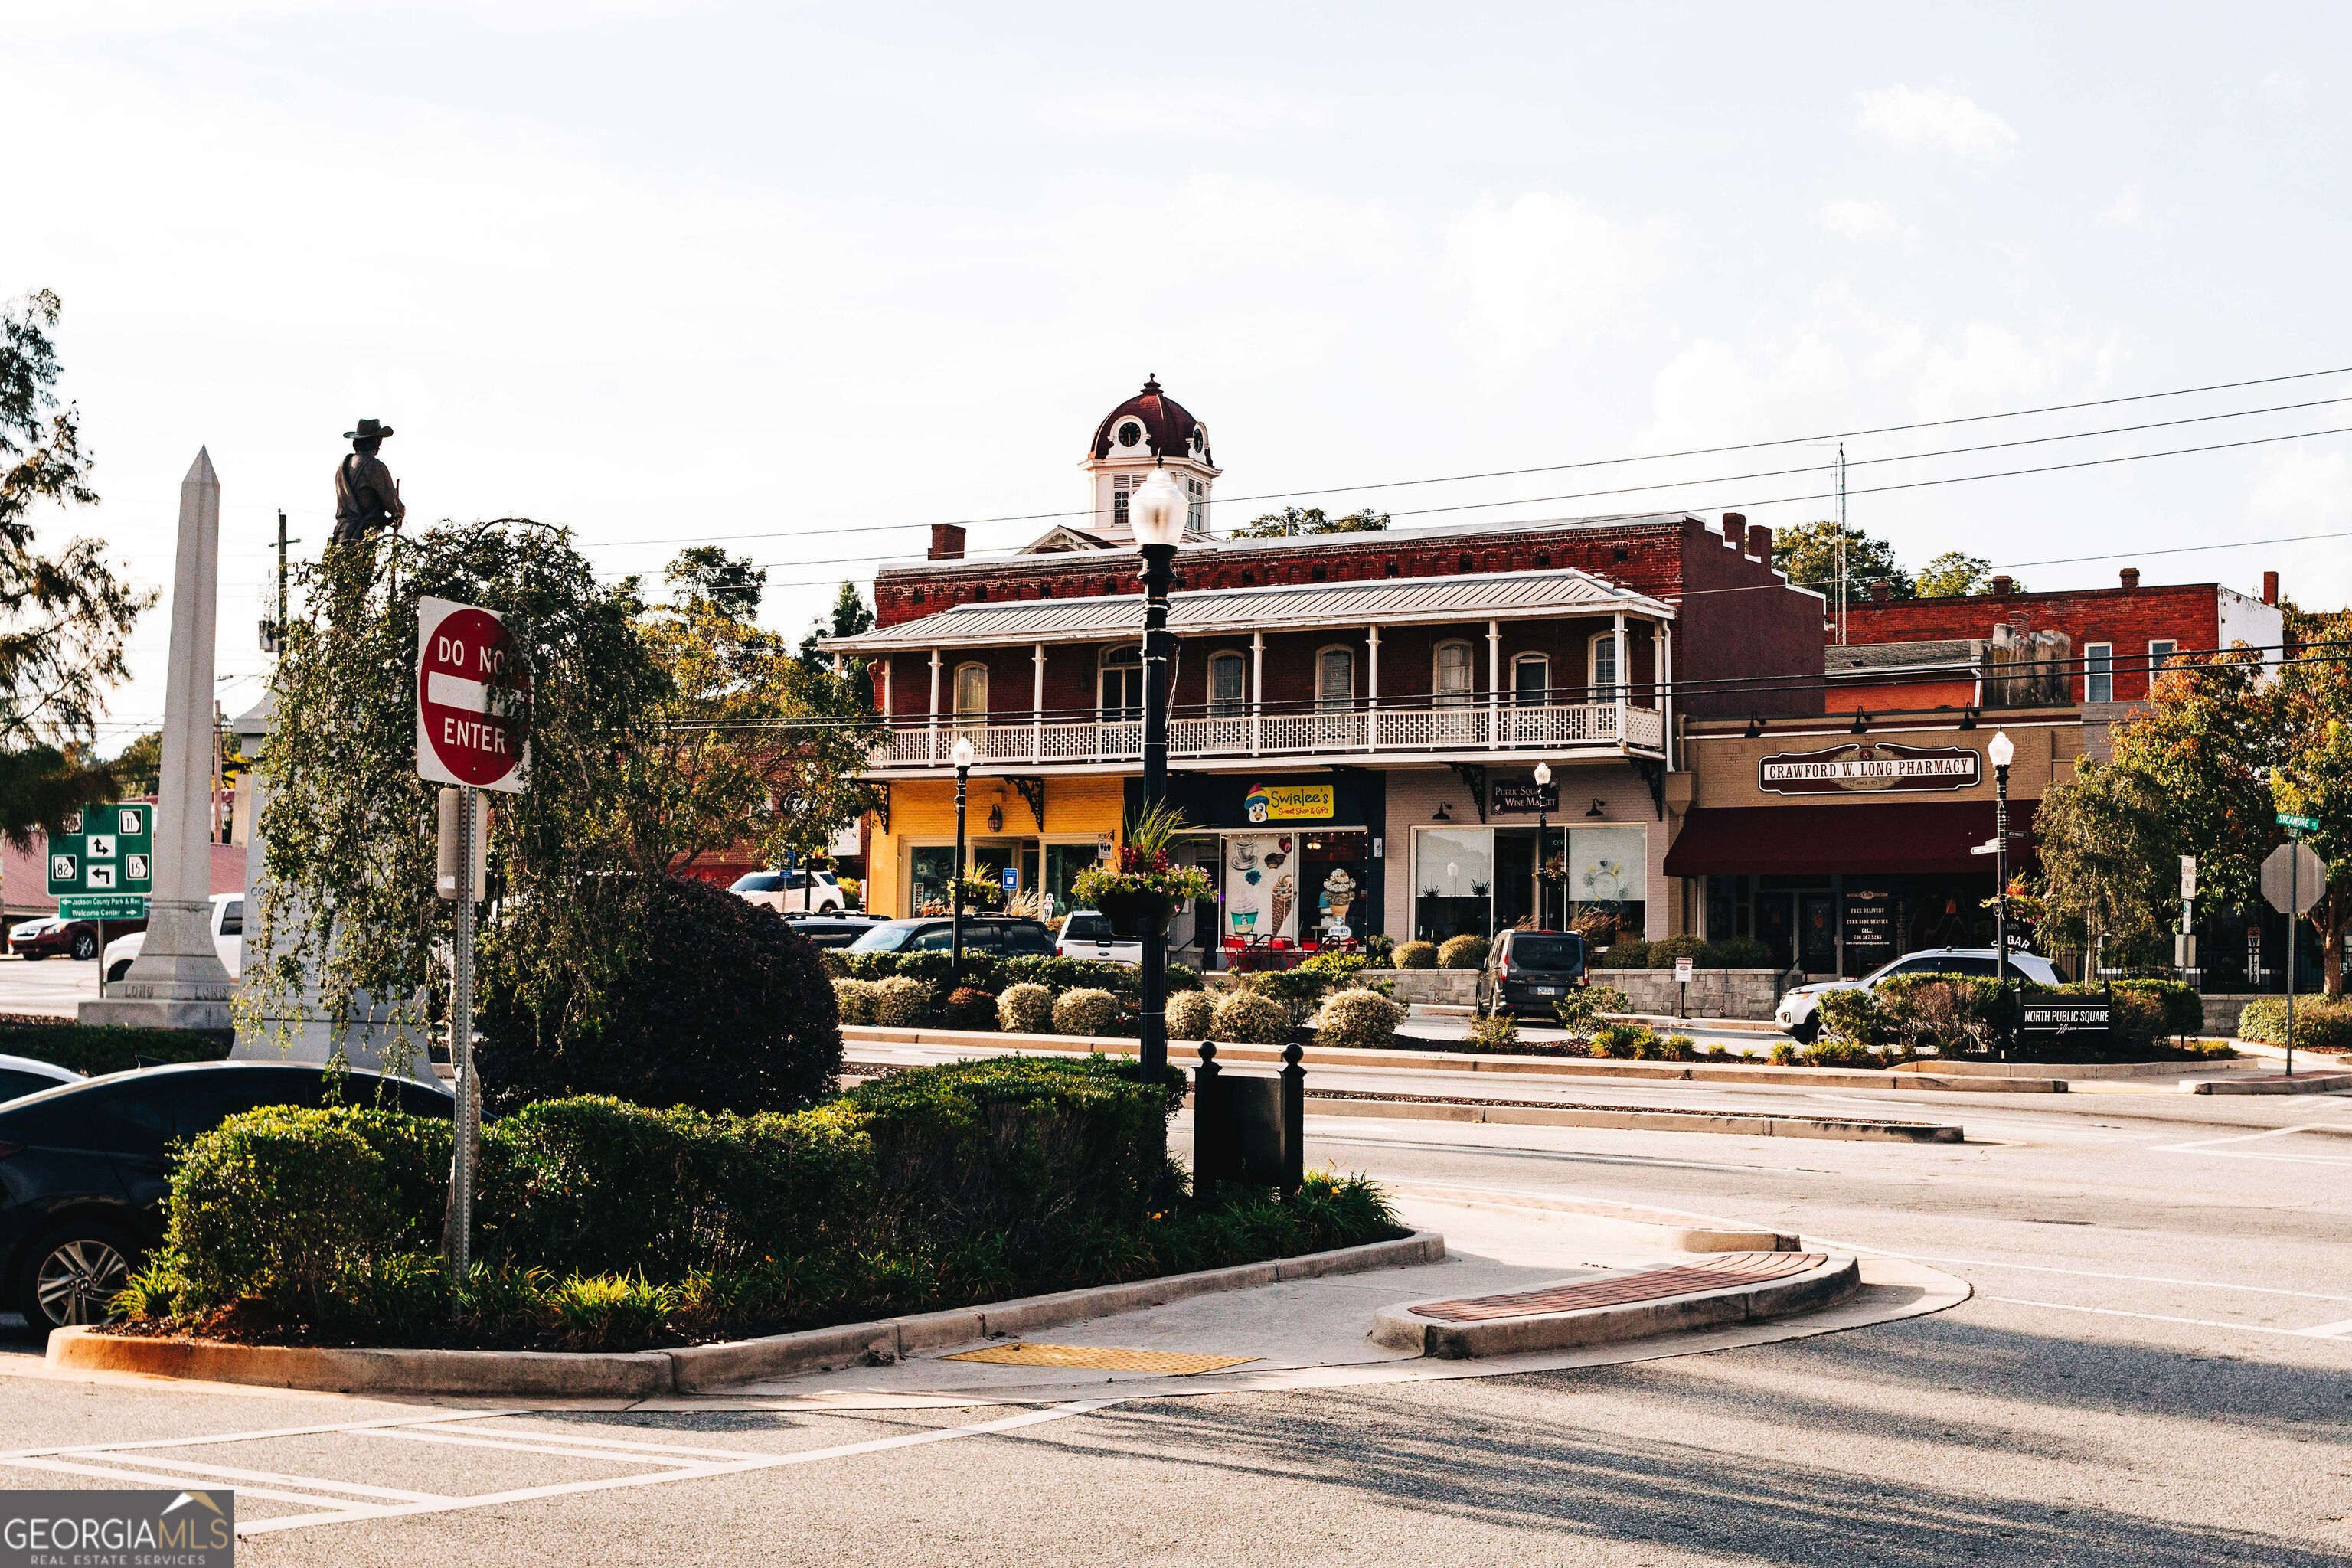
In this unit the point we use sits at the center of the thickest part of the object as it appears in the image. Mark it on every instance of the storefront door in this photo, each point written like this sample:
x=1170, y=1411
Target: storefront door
x=1776, y=926
x=1817, y=932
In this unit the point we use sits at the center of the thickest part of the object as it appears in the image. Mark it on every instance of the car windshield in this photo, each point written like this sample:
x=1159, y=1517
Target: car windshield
x=757, y=882
x=1087, y=923
x=887, y=938
x=1547, y=952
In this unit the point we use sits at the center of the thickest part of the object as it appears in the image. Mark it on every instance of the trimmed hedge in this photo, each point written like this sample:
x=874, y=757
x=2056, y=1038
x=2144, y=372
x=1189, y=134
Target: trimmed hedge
x=93, y=1050
x=1087, y=1011
x=1244, y=1017
x=1025, y=1009
x=1463, y=952
x=1191, y=1015
x=1363, y=1019
x=1417, y=955
x=2320, y=1023
x=1633, y=952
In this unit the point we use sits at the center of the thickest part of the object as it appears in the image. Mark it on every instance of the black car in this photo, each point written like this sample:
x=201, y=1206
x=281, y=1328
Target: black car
x=1000, y=936
x=23, y=1074
x=1531, y=969
x=830, y=931
x=85, y=1169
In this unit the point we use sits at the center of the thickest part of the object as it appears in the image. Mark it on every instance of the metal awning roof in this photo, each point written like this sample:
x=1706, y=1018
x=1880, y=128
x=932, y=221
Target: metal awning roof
x=1384, y=601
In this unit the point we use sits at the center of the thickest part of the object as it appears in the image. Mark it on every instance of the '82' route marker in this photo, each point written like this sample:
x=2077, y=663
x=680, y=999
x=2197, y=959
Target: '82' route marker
x=473, y=698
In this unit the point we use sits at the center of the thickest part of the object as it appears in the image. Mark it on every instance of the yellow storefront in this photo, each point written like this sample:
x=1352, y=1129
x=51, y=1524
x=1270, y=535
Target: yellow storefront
x=1043, y=831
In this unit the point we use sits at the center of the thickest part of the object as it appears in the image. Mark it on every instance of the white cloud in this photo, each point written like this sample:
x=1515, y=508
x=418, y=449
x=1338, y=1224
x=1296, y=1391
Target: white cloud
x=1207, y=110
x=2299, y=490
x=1544, y=267
x=2124, y=208
x=1858, y=219
x=2281, y=87
x=1910, y=117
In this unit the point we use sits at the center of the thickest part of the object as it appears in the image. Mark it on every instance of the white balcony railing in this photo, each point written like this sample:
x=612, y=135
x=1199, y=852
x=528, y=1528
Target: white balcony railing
x=1591, y=726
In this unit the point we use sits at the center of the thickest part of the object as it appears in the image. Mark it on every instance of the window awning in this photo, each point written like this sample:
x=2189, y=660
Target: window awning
x=1856, y=838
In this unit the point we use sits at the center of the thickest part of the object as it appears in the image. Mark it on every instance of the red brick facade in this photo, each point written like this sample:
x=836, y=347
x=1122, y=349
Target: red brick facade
x=2128, y=620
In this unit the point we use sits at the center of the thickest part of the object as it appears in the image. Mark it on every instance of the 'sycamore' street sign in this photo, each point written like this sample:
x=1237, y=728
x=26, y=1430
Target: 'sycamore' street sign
x=473, y=698
x=104, y=850
x=2293, y=878
x=2298, y=823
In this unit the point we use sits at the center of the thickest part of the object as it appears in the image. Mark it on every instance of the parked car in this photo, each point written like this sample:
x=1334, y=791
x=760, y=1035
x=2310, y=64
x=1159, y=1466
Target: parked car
x=1798, y=1014
x=85, y=1169
x=51, y=937
x=784, y=892
x=21, y=1076
x=1088, y=933
x=1530, y=969
x=228, y=939
x=830, y=931
x=1000, y=936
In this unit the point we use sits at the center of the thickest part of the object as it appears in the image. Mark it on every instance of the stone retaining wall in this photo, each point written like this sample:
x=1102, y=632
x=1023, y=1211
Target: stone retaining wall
x=1714, y=993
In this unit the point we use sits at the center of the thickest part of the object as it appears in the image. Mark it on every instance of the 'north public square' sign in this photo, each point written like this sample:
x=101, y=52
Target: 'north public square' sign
x=473, y=698
x=104, y=850
x=1864, y=768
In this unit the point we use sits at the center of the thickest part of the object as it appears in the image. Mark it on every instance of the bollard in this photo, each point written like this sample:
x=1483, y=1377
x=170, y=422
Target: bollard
x=1294, y=1121
x=1211, y=1129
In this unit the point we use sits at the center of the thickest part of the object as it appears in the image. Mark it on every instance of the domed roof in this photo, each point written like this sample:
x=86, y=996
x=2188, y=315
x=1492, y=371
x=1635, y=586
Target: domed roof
x=1151, y=424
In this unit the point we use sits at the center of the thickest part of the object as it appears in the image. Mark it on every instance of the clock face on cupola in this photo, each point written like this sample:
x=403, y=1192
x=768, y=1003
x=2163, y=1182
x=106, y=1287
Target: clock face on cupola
x=1149, y=429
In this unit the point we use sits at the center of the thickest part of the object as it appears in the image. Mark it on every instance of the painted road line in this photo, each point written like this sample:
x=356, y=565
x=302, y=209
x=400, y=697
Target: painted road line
x=2156, y=1318
x=67, y=1468
x=394, y=1494
x=2213, y=1148
x=2078, y=1273
x=257, y=1436
x=2329, y=1330
x=1642, y=1162
x=650, y=1453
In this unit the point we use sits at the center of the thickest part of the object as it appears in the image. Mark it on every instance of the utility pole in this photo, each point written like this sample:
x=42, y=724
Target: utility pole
x=273, y=632
x=1841, y=542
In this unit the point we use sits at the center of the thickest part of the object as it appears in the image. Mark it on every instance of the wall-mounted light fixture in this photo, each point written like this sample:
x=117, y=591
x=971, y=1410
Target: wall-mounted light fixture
x=1597, y=808
x=1755, y=725
x=996, y=817
x=1439, y=815
x=1861, y=725
x=1968, y=717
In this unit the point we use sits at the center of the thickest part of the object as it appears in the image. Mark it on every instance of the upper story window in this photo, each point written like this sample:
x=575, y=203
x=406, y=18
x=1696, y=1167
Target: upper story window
x=1121, y=683
x=2098, y=672
x=2159, y=654
x=971, y=691
x=1335, y=677
x=1603, y=670
x=1449, y=675
x=1121, y=486
x=1227, y=678
x=1198, y=497
x=1531, y=679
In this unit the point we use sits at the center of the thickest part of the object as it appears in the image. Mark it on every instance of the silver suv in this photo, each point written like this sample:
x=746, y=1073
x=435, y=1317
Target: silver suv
x=813, y=891
x=1798, y=1014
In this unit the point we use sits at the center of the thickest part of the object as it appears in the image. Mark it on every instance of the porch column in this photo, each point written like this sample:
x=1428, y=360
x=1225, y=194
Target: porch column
x=1624, y=679
x=1665, y=632
x=1373, y=690
x=1257, y=688
x=1494, y=683
x=1037, y=706
x=935, y=706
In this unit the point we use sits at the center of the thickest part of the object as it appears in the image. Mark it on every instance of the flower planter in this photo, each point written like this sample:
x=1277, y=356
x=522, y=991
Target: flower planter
x=1132, y=913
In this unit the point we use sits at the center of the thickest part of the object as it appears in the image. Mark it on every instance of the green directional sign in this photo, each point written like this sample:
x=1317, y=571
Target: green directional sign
x=2300, y=823
x=102, y=906
x=104, y=850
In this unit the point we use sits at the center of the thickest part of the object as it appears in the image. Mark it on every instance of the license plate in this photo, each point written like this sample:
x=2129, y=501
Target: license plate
x=1545, y=990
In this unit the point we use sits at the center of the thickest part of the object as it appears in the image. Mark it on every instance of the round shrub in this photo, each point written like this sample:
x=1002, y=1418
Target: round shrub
x=718, y=1005
x=1087, y=1011
x=903, y=1002
x=1244, y=1017
x=1495, y=1031
x=854, y=1000
x=1631, y=952
x=1359, y=1019
x=1666, y=949
x=1463, y=952
x=1622, y=1042
x=969, y=1007
x=1191, y=1014
x=1417, y=955
x=1025, y=1009
x=2319, y=1024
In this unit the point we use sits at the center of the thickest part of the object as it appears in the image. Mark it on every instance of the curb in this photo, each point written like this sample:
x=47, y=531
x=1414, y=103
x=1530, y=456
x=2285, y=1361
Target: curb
x=1669, y=1230
x=2317, y=1083
x=694, y=1368
x=1401, y=1328
x=1466, y=1062
x=1644, y=1120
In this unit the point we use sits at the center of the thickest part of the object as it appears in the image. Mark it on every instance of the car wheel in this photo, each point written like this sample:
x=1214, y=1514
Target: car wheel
x=85, y=945
x=1806, y=1033
x=122, y=967
x=71, y=1275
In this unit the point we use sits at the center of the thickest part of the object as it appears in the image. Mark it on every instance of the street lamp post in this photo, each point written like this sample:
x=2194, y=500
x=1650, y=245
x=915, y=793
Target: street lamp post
x=1157, y=511
x=2001, y=751
x=962, y=754
x=1543, y=846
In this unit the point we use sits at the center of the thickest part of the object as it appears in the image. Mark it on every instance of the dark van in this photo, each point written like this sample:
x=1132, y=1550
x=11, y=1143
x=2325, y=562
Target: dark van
x=1530, y=970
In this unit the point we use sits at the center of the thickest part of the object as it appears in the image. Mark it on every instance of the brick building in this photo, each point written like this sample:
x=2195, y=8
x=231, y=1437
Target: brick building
x=1355, y=717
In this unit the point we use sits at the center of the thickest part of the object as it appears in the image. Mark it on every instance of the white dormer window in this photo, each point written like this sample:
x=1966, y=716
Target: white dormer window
x=1121, y=486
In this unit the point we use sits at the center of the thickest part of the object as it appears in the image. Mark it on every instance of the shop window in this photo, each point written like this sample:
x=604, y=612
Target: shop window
x=2098, y=672
x=1608, y=878
x=930, y=867
x=1453, y=882
x=1450, y=674
x=1334, y=879
x=1228, y=685
x=1062, y=864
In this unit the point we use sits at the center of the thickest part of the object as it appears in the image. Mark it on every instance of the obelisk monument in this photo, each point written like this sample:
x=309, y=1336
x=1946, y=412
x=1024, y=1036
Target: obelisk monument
x=178, y=982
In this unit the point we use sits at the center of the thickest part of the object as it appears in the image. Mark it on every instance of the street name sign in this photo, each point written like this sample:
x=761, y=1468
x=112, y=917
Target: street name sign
x=2299, y=824
x=2293, y=878
x=104, y=850
x=473, y=698
x=102, y=906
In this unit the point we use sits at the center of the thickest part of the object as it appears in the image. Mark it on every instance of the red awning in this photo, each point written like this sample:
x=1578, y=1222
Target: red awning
x=1857, y=838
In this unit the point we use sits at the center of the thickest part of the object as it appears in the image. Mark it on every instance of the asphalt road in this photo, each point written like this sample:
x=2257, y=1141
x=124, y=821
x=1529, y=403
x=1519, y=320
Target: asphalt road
x=53, y=985
x=2136, y=1381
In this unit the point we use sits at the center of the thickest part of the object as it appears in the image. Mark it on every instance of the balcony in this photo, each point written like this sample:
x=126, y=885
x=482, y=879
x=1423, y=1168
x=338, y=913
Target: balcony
x=1357, y=734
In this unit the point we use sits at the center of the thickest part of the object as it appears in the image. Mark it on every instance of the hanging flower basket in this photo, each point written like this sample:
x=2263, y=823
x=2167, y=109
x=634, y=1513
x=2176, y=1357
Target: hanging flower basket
x=1132, y=911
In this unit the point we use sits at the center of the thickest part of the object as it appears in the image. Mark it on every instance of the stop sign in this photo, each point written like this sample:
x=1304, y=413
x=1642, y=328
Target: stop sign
x=473, y=692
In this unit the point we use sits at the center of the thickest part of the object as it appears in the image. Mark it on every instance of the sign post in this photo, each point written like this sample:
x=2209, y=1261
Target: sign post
x=102, y=867
x=2184, y=946
x=1683, y=979
x=2287, y=870
x=473, y=693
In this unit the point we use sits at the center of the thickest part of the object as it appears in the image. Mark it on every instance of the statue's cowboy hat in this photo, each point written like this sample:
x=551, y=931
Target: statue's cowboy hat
x=369, y=430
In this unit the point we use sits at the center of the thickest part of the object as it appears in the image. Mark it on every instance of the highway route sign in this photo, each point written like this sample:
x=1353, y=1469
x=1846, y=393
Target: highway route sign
x=104, y=850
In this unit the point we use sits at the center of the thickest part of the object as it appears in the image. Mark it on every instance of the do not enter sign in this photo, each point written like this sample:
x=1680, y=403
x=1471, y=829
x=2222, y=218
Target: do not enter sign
x=473, y=698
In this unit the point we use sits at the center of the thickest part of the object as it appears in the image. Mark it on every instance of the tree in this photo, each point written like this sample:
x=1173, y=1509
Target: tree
x=2107, y=852
x=139, y=768
x=63, y=617
x=851, y=617
x=1953, y=575
x=1807, y=555
x=2206, y=742
x=2311, y=707
x=729, y=581
x=1291, y=520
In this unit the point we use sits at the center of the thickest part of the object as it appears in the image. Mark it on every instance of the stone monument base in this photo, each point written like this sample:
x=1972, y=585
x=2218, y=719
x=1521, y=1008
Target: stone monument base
x=157, y=1013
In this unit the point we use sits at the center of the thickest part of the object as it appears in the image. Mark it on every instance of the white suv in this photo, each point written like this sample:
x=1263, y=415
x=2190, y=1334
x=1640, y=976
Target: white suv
x=814, y=892
x=1798, y=1014
x=1088, y=934
x=228, y=939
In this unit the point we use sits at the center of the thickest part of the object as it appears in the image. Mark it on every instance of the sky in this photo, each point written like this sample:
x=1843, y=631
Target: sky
x=804, y=280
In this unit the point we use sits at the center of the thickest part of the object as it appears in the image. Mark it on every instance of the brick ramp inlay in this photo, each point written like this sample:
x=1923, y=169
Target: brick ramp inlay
x=1623, y=1287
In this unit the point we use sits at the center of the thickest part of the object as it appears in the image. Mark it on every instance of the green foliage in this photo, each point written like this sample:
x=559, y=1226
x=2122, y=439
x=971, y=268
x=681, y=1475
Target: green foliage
x=1626, y=952
x=2321, y=1023
x=1191, y=1015
x=92, y=1049
x=1085, y=1012
x=1246, y=1017
x=982, y=892
x=2206, y=744
x=1464, y=952
x=969, y=1007
x=1855, y=1017
x=1955, y=1013
x=2108, y=855
x=938, y=969
x=868, y=965
x=903, y=1002
x=1358, y=1019
x=1417, y=955
x=1784, y=1054
x=1582, y=1006
x=1955, y=574
x=1735, y=952
x=1059, y=975
x=726, y=1008
x=1381, y=949
x=1299, y=990
x=1679, y=1048
x=2310, y=709
x=1807, y=554
x=1623, y=1041
x=850, y=617
x=854, y=1000
x=2180, y=1011
x=1496, y=1032
x=1840, y=1053
x=1025, y=1009
x=1666, y=949
x=1293, y=520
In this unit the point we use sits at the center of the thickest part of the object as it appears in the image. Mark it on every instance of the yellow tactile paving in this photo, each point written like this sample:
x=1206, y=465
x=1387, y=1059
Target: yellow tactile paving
x=1099, y=1358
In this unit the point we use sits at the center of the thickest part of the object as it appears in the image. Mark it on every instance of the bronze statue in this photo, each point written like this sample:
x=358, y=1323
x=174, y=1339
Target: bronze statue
x=367, y=497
